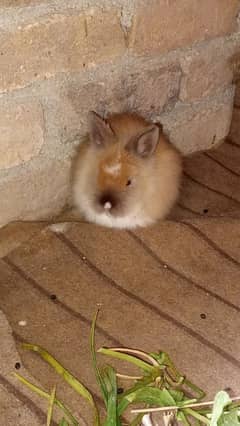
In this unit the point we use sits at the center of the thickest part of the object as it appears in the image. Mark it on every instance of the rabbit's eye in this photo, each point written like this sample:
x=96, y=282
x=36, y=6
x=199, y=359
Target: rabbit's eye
x=128, y=182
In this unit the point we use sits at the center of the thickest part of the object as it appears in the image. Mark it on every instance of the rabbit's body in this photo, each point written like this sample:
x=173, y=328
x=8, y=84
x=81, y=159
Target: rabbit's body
x=127, y=174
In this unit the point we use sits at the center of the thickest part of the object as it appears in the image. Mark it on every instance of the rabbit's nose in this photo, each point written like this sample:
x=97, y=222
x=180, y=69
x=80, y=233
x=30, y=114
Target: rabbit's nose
x=107, y=205
x=108, y=201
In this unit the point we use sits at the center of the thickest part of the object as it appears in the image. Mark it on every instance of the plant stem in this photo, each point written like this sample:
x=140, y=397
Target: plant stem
x=197, y=416
x=98, y=375
x=46, y=395
x=50, y=408
x=67, y=376
x=137, y=353
x=125, y=357
x=126, y=377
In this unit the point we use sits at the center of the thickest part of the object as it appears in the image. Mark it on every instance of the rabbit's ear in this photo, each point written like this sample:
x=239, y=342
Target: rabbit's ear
x=100, y=131
x=145, y=143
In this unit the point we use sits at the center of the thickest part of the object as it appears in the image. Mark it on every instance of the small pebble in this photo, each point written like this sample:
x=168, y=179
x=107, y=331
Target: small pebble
x=22, y=323
x=84, y=258
x=203, y=316
x=53, y=297
x=17, y=365
x=165, y=266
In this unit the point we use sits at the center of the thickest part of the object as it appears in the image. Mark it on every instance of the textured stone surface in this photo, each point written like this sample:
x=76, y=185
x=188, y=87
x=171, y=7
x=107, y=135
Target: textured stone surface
x=21, y=132
x=235, y=128
x=34, y=192
x=151, y=91
x=164, y=25
x=19, y=3
x=58, y=43
x=237, y=94
x=205, y=72
x=146, y=91
x=200, y=128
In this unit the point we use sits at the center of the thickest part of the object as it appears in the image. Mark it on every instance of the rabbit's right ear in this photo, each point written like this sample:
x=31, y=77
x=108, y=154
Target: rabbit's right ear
x=145, y=143
x=100, y=131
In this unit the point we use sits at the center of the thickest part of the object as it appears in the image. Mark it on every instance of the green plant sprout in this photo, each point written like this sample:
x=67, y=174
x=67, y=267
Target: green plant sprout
x=159, y=387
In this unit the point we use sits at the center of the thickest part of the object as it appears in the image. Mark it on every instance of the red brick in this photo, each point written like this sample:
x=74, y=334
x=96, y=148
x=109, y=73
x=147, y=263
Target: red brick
x=163, y=25
x=58, y=44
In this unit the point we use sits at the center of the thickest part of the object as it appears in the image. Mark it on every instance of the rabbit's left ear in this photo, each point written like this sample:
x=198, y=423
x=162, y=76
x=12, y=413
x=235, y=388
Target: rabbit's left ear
x=145, y=143
x=100, y=131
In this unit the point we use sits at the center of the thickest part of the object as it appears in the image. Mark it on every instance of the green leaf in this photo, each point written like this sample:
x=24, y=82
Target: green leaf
x=94, y=360
x=154, y=396
x=174, y=396
x=110, y=381
x=50, y=408
x=229, y=419
x=221, y=400
x=138, y=385
x=177, y=395
x=64, y=422
x=123, y=400
x=148, y=395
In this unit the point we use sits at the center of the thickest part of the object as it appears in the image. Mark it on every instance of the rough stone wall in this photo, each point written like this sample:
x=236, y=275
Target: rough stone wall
x=234, y=134
x=166, y=59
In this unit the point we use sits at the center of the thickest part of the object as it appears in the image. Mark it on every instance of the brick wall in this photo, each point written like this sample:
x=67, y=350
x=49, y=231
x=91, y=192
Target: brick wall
x=166, y=59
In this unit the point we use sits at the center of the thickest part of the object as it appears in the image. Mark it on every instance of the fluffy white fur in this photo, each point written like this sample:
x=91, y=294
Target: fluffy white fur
x=132, y=220
x=113, y=169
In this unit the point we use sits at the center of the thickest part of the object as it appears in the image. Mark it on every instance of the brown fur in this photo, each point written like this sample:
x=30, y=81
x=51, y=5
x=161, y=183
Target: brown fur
x=119, y=180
